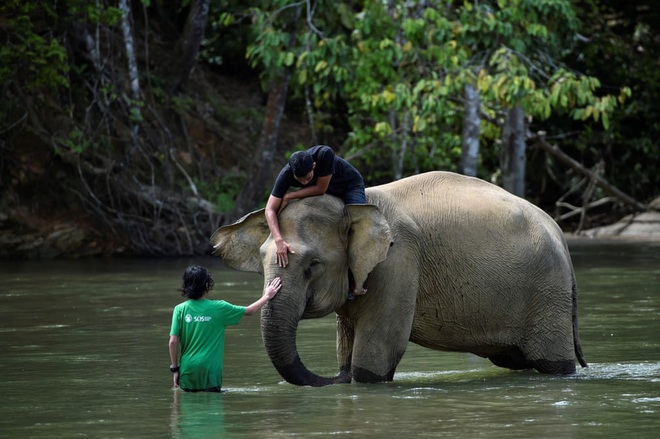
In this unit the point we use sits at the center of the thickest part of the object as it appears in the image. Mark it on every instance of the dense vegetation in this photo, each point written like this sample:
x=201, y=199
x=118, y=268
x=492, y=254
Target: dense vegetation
x=141, y=126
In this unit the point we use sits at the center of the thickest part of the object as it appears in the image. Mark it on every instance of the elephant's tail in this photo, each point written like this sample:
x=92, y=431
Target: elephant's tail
x=576, y=335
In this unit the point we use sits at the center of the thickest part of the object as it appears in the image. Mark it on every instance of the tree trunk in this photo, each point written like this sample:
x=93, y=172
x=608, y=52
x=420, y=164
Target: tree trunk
x=513, y=156
x=471, y=131
x=187, y=49
x=136, y=116
x=261, y=170
x=398, y=156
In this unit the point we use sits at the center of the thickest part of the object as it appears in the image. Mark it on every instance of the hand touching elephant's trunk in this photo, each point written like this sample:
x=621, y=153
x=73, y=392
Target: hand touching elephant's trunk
x=278, y=326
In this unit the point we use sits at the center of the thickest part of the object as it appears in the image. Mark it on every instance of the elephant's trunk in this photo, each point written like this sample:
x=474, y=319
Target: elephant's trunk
x=278, y=329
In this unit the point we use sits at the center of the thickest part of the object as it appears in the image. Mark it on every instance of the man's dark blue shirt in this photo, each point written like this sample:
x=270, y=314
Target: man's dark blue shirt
x=344, y=175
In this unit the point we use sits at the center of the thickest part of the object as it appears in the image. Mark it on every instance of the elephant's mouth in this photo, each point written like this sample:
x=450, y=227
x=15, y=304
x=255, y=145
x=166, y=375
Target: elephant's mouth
x=351, y=281
x=321, y=300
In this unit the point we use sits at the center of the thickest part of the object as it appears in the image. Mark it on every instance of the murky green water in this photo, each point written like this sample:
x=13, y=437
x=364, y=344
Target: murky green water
x=83, y=353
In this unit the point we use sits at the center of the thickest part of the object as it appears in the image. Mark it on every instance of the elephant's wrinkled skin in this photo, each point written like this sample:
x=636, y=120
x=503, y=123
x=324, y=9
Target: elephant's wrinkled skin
x=450, y=262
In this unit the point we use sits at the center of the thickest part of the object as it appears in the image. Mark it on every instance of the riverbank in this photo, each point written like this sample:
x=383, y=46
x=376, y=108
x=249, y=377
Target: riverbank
x=26, y=237
x=643, y=226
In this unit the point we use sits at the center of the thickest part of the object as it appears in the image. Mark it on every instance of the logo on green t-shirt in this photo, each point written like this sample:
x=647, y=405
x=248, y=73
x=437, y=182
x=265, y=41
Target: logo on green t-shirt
x=189, y=318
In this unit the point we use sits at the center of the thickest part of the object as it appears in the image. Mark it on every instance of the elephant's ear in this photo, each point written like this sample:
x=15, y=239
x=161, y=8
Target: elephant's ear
x=368, y=240
x=238, y=244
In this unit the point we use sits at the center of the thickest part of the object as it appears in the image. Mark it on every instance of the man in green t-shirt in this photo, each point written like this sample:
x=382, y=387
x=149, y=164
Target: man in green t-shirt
x=198, y=325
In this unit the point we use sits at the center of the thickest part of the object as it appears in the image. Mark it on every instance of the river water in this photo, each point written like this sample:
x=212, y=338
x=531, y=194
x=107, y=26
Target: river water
x=83, y=353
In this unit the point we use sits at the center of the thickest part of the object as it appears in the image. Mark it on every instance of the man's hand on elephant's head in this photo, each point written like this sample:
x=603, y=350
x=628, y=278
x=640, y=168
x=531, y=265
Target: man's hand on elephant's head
x=282, y=252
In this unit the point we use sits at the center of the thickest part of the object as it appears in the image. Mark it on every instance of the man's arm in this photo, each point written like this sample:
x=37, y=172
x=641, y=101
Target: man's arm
x=174, y=357
x=271, y=289
x=272, y=207
x=319, y=188
x=283, y=248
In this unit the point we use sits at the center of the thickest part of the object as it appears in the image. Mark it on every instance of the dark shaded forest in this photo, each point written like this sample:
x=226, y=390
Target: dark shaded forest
x=136, y=128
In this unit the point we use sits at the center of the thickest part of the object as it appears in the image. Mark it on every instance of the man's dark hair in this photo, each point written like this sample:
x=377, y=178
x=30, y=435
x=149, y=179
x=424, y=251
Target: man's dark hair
x=196, y=281
x=301, y=163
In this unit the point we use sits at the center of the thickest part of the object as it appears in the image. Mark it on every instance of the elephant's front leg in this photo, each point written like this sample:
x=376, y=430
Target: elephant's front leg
x=382, y=329
x=345, y=337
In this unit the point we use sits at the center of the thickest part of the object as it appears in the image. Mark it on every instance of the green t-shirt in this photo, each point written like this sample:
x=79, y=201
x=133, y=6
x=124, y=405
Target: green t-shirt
x=200, y=325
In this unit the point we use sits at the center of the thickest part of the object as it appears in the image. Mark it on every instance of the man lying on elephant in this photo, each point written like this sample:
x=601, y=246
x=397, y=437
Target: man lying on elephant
x=318, y=171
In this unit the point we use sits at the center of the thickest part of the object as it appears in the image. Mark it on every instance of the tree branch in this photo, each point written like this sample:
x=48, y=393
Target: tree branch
x=554, y=150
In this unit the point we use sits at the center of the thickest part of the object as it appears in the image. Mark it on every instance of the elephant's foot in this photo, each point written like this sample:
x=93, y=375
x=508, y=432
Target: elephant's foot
x=366, y=376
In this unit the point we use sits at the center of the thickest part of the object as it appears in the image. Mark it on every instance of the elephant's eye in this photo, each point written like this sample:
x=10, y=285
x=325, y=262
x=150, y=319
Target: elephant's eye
x=313, y=266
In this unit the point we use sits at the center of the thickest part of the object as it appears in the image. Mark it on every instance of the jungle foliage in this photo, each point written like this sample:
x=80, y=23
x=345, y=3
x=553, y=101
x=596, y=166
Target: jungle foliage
x=158, y=120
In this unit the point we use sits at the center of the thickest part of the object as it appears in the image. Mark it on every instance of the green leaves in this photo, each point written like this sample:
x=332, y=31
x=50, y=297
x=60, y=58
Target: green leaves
x=29, y=56
x=400, y=68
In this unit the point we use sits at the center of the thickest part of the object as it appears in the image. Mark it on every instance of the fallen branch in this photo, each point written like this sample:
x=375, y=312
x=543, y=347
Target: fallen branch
x=577, y=210
x=600, y=181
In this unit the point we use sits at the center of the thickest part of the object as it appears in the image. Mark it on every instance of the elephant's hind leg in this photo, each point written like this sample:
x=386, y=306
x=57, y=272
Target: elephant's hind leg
x=516, y=360
x=561, y=367
x=345, y=339
x=511, y=359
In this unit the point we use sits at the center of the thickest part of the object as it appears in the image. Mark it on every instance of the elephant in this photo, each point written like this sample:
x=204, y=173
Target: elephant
x=449, y=262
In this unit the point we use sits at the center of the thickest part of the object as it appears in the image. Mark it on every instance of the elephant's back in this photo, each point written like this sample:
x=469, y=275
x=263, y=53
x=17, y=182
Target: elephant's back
x=467, y=222
x=432, y=188
x=450, y=201
x=435, y=188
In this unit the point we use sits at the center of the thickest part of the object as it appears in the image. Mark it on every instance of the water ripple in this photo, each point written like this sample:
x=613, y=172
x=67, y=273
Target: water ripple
x=646, y=371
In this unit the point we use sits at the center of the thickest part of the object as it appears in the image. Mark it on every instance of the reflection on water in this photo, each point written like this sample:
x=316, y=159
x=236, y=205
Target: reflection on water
x=197, y=415
x=84, y=354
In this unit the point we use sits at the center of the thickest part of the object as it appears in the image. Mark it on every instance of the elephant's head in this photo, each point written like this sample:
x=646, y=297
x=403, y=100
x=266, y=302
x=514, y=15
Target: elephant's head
x=330, y=241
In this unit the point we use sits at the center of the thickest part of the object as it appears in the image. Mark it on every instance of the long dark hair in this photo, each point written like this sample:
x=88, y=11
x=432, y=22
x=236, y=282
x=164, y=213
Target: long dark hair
x=196, y=282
